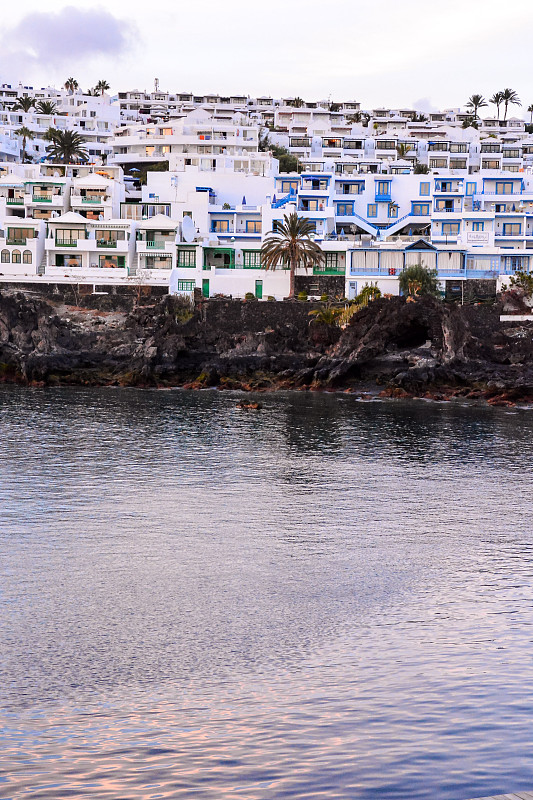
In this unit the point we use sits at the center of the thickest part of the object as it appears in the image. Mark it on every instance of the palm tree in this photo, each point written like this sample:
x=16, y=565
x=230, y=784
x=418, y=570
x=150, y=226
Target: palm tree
x=102, y=86
x=71, y=84
x=402, y=149
x=26, y=134
x=530, y=109
x=475, y=102
x=297, y=102
x=291, y=246
x=66, y=146
x=24, y=104
x=46, y=107
x=497, y=100
x=509, y=97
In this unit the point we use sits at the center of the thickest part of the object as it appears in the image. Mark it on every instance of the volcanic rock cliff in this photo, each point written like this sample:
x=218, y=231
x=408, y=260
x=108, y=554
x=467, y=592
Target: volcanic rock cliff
x=422, y=348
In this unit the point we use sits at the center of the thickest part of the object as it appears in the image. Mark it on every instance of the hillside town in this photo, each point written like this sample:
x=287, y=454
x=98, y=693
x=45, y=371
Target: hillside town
x=181, y=190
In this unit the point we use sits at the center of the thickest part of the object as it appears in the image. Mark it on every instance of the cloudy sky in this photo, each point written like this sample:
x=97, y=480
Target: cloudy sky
x=381, y=52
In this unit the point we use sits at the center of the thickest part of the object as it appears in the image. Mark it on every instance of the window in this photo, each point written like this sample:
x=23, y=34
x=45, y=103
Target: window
x=67, y=237
x=252, y=259
x=438, y=163
x=220, y=225
x=424, y=189
x=289, y=187
x=511, y=153
x=420, y=209
x=504, y=187
x=332, y=260
x=455, y=147
x=112, y=262
x=471, y=189
x=393, y=211
x=478, y=226
x=490, y=164
x=186, y=286
x=253, y=226
x=5, y=257
x=450, y=228
x=26, y=257
x=383, y=188
x=15, y=256
x=187, y=257
x=345, y=209
x=372, y=210
x=509, y=229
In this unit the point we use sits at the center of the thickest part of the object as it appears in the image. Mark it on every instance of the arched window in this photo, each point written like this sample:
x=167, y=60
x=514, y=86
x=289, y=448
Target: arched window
x=26, y=257
x=15, y=256
x=5, y=257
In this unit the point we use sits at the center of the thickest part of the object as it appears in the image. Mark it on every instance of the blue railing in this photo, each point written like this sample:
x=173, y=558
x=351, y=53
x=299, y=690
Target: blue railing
x=291, y=197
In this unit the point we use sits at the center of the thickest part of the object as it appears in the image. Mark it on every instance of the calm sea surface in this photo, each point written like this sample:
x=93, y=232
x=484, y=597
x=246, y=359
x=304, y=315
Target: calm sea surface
x=326, y=599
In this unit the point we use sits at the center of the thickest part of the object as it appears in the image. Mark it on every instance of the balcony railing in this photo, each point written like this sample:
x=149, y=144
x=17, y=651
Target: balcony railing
x=15, y=201
x=105, y=243
x=66, y=242
x=383, y=198
x=158, y=244
x=93, y=199
x=13, y=240
x=42, y=198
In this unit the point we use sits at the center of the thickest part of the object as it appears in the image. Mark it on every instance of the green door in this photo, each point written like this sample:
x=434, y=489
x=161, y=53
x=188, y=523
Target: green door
x=205, y=287
x=259, y=290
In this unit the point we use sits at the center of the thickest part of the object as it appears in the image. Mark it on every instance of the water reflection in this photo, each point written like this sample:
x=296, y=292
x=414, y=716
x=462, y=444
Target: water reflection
x=326, y=599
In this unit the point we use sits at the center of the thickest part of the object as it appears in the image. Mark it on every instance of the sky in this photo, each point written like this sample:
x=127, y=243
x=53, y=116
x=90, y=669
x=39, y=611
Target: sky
x=394, y=53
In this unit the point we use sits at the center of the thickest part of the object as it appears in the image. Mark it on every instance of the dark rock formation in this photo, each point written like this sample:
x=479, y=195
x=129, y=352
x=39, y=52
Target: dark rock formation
x=424, y=348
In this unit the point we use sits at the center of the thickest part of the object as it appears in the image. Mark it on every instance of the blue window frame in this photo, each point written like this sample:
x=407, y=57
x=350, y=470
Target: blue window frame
x=478, y=226
x=420, y=209
x=424, y=189
x=471, y=189
x=345, y=209
x=512, y=229
x=450, y=228
x=372, y=210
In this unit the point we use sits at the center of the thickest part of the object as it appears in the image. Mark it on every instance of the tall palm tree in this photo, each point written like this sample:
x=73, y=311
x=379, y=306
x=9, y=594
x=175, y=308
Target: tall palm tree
x=530, y=109
x=71, y=84
x=291, y=246
x=297, y=102
x=26, y=134
x=66, y=146
x=24, y=104
x=102, y=86
x=475, y=102
x=46, y=107
x=497, y=100
x=509, y=97
x=402, y=149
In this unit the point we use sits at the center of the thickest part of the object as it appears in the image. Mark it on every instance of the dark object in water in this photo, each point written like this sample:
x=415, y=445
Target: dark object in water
x=250, y=406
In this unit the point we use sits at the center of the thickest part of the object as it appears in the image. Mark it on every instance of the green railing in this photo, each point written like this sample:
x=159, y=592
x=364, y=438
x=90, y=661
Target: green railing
x=41, y=198
x=105, y=243
x=319, y=270
x=156, y=245
x=92, y=199
x=15, y=241
x=66, y=243
x=15, y=201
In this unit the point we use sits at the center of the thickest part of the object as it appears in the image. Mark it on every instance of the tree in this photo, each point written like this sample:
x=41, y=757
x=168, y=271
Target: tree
x=297, y=102
x=530, y=109
x=334, y=107
x=102, y=86
x=402, y=149
x=497, y=100
x=417, y=280
x=288, y=162
x=71, y=84
x=291, y=246
x=46, y=107
x=470, y=122
x=509, y=97
x=329, y=315
x=24, y=104
x=475, y=102
x=421, y=169
x=26, y=134
x=419, y=117
x=66, y=146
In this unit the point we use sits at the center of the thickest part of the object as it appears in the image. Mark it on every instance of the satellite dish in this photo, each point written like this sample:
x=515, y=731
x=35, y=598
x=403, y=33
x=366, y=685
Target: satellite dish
x=173, y=283
x=188, y=231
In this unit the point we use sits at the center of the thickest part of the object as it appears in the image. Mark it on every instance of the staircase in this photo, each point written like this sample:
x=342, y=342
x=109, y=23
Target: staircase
x=291, y=197
x=41, y=269
x=134, y=265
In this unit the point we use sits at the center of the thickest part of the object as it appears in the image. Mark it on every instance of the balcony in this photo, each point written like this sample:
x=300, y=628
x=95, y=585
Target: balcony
x=106, y=243
x=93, y=199
x=383, y=198
x=66, y=242
x=16, y=240
x=15, y=201
x=41, y=198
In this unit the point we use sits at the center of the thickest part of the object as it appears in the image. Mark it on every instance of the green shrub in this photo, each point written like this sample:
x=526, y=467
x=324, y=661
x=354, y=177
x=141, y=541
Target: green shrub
x=324, y=298
x=271, y=298
x=250, y=296
x=417, y=280
x=302, y=296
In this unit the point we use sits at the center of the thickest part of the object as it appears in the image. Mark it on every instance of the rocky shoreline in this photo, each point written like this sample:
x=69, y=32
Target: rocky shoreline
x=392, y=348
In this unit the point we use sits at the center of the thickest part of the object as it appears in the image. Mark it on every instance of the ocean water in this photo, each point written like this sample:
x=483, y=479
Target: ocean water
x=324, y=599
